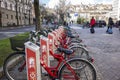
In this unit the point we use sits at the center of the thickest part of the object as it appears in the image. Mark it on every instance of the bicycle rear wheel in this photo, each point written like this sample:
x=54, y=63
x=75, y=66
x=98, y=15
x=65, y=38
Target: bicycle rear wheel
x=80, y=52
x=15, y=67
x=83, y=69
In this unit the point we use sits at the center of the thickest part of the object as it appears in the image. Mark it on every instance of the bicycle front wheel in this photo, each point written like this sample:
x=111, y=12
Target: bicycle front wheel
x=15, y=66
x=83, y=69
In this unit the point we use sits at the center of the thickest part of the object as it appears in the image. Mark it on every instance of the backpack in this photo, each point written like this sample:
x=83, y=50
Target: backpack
x=110, y=31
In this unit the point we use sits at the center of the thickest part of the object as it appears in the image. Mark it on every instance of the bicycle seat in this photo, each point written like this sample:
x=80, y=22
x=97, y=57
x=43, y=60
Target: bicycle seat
x=66, y=51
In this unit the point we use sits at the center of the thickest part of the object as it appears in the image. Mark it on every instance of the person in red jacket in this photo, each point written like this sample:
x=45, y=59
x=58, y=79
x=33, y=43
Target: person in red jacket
x=92, y=25
x=92, y=22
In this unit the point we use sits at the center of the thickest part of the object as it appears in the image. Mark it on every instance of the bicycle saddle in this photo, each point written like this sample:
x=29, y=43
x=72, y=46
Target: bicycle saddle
x=66, y=51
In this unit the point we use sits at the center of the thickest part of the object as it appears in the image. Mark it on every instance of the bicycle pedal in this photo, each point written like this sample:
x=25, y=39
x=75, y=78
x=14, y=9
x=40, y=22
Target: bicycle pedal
x=91, y=60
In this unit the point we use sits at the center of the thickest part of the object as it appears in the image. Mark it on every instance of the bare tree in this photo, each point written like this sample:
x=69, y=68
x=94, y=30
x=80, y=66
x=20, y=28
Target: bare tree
x=63, y=8
x=43, y=11
x=16, y=7
x=0, y=14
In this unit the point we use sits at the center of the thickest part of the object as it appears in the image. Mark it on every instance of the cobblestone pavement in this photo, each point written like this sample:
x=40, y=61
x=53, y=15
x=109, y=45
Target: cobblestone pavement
x=105, y=48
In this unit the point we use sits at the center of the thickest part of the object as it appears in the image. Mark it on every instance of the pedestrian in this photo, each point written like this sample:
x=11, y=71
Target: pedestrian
x=119, y=25
x=110, y=25
x=92, y=25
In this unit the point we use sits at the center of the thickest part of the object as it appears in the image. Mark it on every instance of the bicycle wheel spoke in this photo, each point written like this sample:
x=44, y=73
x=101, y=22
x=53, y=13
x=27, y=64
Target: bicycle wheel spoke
x=12, y=65
x=82, y=71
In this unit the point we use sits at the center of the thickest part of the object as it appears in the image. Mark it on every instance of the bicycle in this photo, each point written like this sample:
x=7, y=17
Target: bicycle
x=79, y=49
x=74, y=68
x=20, y=54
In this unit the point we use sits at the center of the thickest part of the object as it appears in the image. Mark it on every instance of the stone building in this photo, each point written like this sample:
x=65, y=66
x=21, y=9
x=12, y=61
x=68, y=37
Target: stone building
x=99, y=11
x=115, y=14
x=16, y=12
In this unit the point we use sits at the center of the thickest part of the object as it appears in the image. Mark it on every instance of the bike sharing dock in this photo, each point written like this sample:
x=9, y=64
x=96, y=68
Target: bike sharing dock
x=36, y=55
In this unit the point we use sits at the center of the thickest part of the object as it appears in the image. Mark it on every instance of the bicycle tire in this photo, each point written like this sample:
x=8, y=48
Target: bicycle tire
x=75, y=41
x=11, y=66
x=80, y=52
x=83, y=69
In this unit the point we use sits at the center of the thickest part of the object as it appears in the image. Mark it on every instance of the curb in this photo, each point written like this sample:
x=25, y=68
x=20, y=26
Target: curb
x=2, y=29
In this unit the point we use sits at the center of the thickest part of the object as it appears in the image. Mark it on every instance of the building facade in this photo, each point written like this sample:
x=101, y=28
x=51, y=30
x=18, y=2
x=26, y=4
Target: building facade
x=115, y=14
x=99, y=11
x=16, y=12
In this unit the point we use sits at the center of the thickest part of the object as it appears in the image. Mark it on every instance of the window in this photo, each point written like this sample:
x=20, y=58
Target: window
x=11, y=16
x=11, y=6
x=19, y=9
x=19, y=18
x=7, y=16
x=6, y=5
x=16, y=17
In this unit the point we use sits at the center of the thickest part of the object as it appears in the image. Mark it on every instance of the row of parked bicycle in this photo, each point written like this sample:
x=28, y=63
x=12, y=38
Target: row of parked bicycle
x=74, y=60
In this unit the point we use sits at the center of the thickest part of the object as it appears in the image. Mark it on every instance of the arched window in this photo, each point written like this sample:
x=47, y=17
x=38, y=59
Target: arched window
x=19, y=9
x=6, y=5
x=11, y=7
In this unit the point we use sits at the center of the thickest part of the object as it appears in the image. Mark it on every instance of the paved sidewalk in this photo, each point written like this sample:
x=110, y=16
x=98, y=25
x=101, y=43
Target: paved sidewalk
x=105, y=48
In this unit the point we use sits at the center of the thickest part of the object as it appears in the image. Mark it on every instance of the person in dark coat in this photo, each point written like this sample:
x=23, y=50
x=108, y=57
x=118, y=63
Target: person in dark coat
x=110, y=23
x=119, y=25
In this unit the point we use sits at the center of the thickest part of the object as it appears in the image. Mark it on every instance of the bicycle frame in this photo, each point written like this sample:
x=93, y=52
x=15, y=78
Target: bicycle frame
x=53, y=71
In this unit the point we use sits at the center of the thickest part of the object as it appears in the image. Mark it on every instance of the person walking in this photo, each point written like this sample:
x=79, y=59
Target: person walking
x=110, y=25
x=119, y=25
x=92, y=25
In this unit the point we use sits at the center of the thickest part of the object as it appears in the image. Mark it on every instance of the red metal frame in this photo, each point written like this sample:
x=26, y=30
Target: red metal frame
x=52, y=71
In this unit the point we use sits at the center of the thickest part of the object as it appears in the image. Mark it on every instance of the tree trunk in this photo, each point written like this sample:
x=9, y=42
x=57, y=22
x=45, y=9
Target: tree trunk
x=16, y=6
x=37, y=15
x=0, y=15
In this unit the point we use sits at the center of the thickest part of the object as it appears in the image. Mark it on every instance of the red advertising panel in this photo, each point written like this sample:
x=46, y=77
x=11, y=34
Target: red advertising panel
x=51, y=41
x=56, y=37
x=44, y=49
x=31, y=65
x=32, y=61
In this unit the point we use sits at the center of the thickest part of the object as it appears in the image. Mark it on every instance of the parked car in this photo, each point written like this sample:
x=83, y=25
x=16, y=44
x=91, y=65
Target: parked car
x=100, y=23
x=117, y=24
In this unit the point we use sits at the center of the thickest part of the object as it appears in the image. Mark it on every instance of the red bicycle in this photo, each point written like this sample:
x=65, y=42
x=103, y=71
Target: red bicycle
x=72, y=69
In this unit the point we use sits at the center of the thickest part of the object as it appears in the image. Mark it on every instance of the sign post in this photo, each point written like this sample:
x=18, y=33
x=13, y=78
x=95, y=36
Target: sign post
x=33, y=61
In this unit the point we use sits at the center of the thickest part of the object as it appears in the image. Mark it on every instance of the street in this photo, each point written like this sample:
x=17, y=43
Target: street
x=12, y=32
x=104, y=48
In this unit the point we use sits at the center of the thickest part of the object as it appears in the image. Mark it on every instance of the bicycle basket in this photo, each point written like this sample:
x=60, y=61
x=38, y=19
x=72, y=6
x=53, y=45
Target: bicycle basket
x=17, y=42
